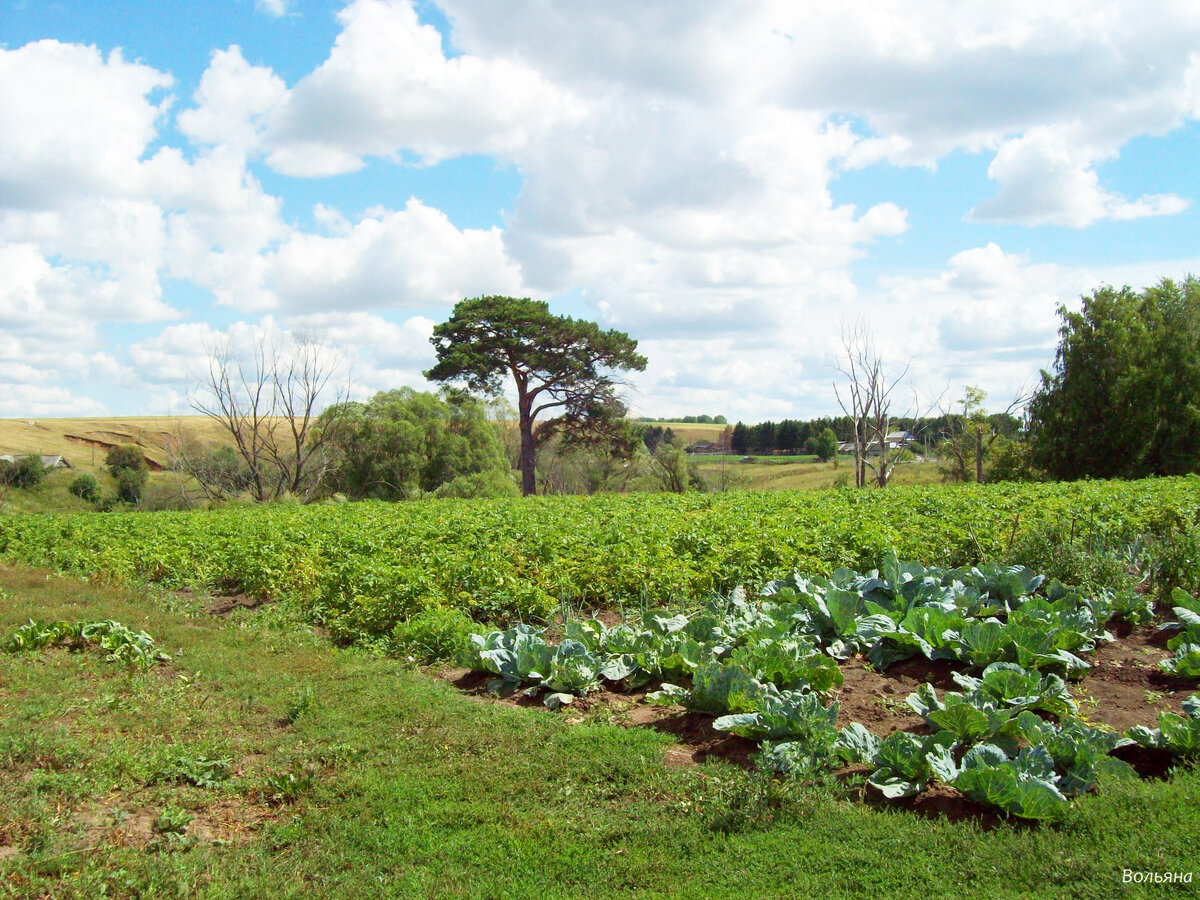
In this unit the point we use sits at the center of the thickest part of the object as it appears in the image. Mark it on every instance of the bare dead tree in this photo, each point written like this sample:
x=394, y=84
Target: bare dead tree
x=206, y=472
x=866, y=398
x=857, y=402
x=268, y=402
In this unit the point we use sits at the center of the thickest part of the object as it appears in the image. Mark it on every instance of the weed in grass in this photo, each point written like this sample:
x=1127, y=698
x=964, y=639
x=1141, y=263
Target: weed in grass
x=302, y=703
x=618, y=714
x=172, y=820
x=338, y=756
x=756, y=800
x=287, y=787
x=171, y=829
x=199, y=771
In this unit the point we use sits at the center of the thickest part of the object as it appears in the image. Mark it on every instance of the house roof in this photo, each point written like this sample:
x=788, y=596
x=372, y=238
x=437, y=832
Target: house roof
x=48, y=462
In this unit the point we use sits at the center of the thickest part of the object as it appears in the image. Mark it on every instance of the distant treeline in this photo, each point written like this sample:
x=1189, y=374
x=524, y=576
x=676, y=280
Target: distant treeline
x=687, y=420
x=800, y=436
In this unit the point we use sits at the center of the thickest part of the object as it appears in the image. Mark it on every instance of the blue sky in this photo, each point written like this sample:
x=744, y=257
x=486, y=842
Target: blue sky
x=730, y=184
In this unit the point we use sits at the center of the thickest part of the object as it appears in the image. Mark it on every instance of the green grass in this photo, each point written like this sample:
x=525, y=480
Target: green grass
x=52, y=494
x=799, y=473
x=352, y=776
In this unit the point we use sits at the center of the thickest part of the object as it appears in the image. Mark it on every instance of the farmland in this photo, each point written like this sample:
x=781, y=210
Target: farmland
x=358, y=569
x=707, y=741
x=261, y=761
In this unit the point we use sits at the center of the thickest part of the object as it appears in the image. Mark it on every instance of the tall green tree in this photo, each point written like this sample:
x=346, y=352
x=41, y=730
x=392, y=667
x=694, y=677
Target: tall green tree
x=404, y=444
x=1123, y=398
x=561, y=366
x=825, y=445
x=787, y=437
x=739, y=441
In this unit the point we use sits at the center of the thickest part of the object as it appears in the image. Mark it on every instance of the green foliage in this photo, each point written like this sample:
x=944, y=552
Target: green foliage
x=1179, y=735
x=792, y=715
x=1080, y=552
x=1121, y=401
x=194, y=769
x=1011, y=460
x=1023, y=785
x=405, y=444
x=359, y=569
x=131, y=483
x=86, y=488
x=1172, y=552
x=522, y=655
x=1186, y=641
x=825, y=445
x=26, y=472
x=437, y=634
x=120, y=643
x=559, y=364
x=301, y=704
x=282, y=788
x=418, y=790
x=173, y=820
x=1079, y=751
x=906, y=763
x=222, y=472
x=125, y=457
x=674, y=469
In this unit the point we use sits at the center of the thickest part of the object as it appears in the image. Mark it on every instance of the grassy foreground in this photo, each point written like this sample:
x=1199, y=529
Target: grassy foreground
x=350, y=776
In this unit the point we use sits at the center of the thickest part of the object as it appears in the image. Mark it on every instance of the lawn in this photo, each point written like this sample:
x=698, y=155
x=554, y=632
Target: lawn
x=333, y=773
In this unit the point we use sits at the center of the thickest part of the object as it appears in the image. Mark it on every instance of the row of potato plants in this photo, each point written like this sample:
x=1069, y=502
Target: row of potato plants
x=362, y=568
x=767, y=667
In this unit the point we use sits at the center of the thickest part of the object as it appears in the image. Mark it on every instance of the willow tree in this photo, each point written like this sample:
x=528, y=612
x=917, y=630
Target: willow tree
x=565, y=370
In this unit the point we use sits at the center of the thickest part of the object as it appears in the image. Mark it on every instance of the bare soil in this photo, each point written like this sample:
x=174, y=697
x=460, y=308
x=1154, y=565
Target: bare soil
x=1125, y=687
x=224, y=606
x=233, y=819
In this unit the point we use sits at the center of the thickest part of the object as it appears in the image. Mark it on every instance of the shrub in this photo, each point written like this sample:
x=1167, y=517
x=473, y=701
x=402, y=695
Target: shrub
x=86, y=488
x=433, y=635
x=25, y=472
x=125, y=457
x=130, y=484
x=165, y=495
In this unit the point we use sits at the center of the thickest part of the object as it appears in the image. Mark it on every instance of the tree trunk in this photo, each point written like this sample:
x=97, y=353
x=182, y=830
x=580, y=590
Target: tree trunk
x=979, y=456
x=528, y=479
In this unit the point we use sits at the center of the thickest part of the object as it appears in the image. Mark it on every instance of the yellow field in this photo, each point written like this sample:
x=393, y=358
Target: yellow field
x=84, y=442
x=690, y=432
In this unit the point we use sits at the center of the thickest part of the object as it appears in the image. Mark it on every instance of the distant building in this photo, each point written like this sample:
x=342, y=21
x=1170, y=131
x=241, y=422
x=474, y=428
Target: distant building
x=48, y=462
x=704, y=447
x=896, y=440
